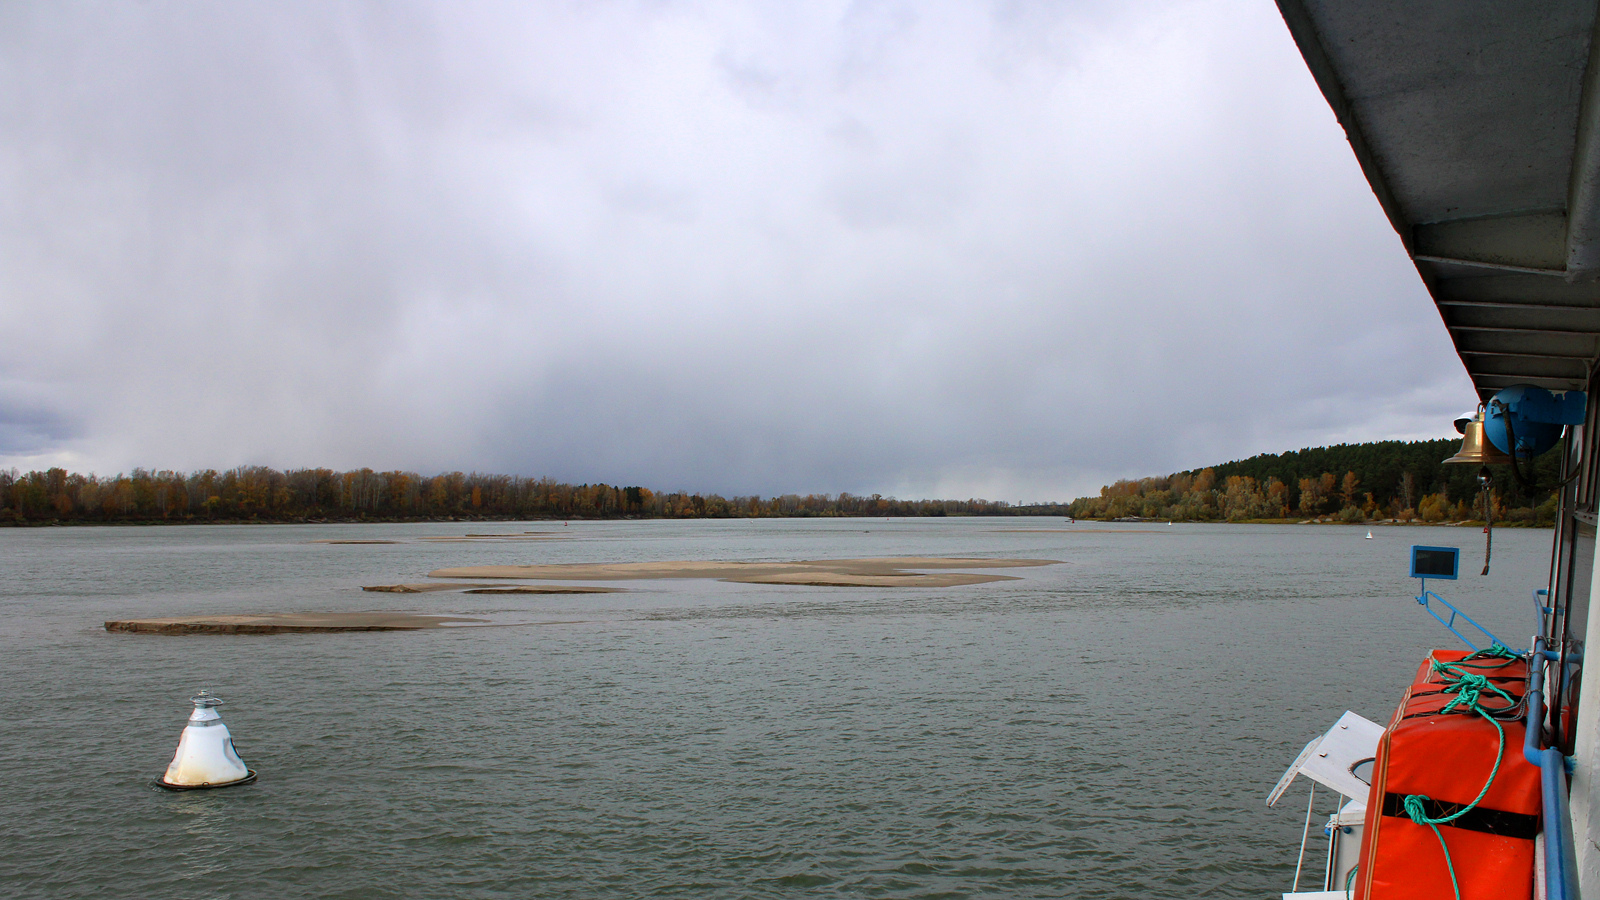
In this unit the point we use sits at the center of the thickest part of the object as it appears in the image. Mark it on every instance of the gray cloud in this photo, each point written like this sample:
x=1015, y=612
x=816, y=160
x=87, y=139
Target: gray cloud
x=28, y=427
x=1012, y=249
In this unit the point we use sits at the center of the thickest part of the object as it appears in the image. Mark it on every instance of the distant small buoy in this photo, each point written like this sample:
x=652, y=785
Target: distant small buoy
x=1369, y=535
x=205, y=757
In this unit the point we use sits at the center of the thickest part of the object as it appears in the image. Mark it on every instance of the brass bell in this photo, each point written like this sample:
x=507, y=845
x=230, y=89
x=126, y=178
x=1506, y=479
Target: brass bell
x=1475, y=448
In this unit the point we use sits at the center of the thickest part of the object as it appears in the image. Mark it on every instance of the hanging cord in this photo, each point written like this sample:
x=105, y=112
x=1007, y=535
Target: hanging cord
x=1511, y=439
x=1488, y=518
x=1469, y=688
x=1348, y=879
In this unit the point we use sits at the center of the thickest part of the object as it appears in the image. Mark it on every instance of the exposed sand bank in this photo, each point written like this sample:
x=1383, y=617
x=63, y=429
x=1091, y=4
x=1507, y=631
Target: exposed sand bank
x=285, y=623
x=876, y=572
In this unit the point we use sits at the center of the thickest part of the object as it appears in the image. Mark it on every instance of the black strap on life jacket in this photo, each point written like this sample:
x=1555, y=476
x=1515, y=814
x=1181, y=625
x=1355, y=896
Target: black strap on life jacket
x=1488, y=821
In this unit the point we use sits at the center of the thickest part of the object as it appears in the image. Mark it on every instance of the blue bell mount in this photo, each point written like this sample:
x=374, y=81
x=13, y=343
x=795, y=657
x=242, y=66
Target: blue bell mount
x=1524, y=420
x=1517, y=424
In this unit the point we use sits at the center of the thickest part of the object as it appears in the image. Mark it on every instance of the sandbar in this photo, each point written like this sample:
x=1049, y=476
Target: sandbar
x=874, y=572
x=285, y=623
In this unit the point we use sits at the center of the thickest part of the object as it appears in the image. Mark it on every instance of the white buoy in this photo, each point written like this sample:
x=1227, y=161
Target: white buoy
x=205, y=757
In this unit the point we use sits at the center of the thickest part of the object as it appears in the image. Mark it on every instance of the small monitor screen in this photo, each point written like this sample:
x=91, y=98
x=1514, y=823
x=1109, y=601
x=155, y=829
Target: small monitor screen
x=1434, y=562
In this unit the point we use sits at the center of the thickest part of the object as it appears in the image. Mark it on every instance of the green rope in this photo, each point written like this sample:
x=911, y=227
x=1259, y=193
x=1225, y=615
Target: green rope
x=1469, y=688
x=1421, y=818
x=1348, y=879
x=1478, y=660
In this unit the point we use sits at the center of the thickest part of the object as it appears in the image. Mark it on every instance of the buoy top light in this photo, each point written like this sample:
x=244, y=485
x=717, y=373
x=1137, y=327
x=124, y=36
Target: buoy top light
x=205, y=707
x=205, y=756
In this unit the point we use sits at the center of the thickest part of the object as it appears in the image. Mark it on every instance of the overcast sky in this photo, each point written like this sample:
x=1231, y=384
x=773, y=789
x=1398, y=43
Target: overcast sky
x=1000, y=249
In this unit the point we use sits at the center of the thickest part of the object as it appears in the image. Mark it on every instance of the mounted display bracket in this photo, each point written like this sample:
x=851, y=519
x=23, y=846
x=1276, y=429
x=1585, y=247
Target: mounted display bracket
x=1444, y=563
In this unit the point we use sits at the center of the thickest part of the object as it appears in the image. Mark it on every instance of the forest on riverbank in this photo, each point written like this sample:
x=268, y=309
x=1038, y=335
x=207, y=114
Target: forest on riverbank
x=1379, y=481
x=260, y=494
x=1372, y=482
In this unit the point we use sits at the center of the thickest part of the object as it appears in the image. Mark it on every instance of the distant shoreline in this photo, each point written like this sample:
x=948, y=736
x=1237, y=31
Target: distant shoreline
x=1325, y=520
x=260, y=494
x=401, y=520
x=410, y=520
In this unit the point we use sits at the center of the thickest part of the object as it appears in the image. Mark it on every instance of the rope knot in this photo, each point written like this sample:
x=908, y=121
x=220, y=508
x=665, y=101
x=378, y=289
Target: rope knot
x=1468, y=688
x=1414, y=808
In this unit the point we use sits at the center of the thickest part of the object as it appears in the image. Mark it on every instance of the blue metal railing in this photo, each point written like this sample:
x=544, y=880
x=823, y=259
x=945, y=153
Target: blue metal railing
x=1450, y=623
x=1540, y=596
x=1560, y=859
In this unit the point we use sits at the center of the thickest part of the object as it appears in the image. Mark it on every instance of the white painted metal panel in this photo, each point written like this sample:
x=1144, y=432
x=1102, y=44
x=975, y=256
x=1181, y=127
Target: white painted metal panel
x=1328, y=760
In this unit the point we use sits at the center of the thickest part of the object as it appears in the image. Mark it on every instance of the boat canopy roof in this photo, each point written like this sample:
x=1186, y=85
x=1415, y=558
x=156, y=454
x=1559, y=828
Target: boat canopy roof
x=1477, y=123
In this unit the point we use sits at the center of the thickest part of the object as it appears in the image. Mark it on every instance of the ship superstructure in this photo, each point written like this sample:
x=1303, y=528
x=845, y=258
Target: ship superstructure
x=1477, y=124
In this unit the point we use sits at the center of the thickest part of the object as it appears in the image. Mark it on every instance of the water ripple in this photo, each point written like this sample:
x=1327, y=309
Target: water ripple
x=1103, y=729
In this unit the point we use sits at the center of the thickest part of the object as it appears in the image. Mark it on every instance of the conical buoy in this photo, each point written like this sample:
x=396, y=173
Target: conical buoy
x=205, y=757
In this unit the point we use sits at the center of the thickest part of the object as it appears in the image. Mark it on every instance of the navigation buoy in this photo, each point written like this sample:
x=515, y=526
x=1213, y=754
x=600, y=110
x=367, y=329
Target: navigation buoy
x=205, y=757
x=1369, y=535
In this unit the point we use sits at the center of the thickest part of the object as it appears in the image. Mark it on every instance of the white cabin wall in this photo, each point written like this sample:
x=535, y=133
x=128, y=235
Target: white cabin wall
x=1585, y=803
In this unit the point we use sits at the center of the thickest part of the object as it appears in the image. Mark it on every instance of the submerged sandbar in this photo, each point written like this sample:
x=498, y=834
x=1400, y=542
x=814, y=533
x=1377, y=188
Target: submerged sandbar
x=891, y=571
x=286, y=623
x=507, y=536
x=542, y=589
x=476, y=588
x=1079, y=531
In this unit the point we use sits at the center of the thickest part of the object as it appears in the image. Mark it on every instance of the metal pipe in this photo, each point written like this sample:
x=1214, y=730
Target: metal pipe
x=1535, y=697
x=1305, y=833
x=1559, y=856
x=1553, y=582
x=1574, y=656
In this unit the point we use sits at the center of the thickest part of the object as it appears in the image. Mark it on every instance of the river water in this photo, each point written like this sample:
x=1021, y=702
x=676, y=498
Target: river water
x=1106, y=727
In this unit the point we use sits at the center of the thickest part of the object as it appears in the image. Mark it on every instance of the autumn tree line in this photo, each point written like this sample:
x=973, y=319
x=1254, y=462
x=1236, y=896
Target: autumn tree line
x=260, y=494
x=1394, y=480
x=1399, y=480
